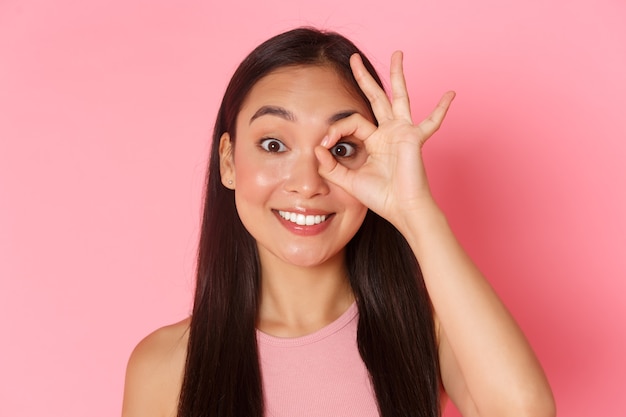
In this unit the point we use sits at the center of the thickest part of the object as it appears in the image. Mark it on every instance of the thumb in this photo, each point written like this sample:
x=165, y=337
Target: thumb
x=332, y=170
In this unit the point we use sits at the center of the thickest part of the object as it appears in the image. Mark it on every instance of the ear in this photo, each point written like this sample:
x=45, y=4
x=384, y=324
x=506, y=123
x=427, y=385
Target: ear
x=227, y=161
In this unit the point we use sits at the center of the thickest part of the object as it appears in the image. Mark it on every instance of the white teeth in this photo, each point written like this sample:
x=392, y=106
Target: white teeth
x=302, y=220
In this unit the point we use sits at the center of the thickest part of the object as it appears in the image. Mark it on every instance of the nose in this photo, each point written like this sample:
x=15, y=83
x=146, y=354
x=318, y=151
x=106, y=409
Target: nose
x=304, y=178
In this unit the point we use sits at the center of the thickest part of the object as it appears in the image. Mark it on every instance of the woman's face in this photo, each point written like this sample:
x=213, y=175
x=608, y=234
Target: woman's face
x=295, y=215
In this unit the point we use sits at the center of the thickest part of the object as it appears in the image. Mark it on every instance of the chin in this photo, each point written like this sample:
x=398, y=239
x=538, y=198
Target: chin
x=309, y=259
x=305, y=261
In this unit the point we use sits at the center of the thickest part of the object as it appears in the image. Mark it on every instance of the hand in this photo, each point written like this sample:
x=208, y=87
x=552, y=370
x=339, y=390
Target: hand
x=392, y=181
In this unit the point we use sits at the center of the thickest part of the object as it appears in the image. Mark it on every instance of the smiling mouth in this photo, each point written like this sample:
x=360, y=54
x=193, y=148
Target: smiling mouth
x=302, y=219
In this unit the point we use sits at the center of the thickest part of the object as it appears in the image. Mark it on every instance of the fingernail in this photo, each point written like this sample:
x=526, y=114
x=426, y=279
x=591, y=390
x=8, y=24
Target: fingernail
x=325, y=141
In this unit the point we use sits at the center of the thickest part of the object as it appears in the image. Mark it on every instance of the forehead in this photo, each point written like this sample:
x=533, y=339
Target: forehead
x=304, y=88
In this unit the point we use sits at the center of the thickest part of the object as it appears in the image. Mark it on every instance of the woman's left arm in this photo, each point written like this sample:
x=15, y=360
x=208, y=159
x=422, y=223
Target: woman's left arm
x=487, y=366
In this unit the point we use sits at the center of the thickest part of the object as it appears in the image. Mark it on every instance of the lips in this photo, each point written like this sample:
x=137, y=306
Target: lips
x=302, y=219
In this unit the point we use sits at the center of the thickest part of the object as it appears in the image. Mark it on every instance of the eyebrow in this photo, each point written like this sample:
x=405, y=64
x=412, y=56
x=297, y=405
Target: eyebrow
x=274, y=111
x=341, y=115
x=289, y=116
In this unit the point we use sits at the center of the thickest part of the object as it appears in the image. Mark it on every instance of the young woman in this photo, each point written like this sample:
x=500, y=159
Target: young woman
x=329, y=282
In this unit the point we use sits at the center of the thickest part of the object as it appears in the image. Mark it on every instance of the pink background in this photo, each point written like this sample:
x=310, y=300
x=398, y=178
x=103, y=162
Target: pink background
x=106, y=110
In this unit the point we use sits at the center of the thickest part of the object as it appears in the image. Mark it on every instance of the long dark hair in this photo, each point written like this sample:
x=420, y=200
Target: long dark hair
x=396, y=337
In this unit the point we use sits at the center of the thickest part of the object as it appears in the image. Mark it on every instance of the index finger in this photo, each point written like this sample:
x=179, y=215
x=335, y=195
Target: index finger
x=354, y=125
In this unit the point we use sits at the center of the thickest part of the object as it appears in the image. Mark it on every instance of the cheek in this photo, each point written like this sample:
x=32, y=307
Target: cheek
x=355, y=163
x=354, y=207
x=362, y=213
x=256, y=176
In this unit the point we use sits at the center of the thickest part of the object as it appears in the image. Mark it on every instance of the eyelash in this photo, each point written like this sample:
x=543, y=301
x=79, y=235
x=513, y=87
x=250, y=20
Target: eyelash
x=265, y=144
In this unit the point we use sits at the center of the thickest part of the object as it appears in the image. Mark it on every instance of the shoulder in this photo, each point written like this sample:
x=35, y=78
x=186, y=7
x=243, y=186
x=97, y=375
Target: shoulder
x=154, y=372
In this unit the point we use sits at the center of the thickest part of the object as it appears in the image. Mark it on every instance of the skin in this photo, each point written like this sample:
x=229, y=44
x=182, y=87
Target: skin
x=487, y=366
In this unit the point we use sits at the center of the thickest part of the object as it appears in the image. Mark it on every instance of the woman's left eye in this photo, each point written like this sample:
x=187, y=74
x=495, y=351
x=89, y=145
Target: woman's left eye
x=343, y=150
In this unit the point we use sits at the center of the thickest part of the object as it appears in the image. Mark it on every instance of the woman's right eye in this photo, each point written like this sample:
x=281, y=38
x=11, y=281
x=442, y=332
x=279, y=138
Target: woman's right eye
x=272, y=145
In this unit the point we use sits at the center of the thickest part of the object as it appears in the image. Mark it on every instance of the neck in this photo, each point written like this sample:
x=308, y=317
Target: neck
x=296, y=300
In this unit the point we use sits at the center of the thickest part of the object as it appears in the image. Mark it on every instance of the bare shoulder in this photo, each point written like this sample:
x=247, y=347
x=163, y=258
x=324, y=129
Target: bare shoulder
x=154, y=372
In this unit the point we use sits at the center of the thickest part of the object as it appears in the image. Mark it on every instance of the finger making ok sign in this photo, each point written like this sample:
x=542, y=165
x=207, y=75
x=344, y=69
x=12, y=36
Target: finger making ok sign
x=392, y=181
